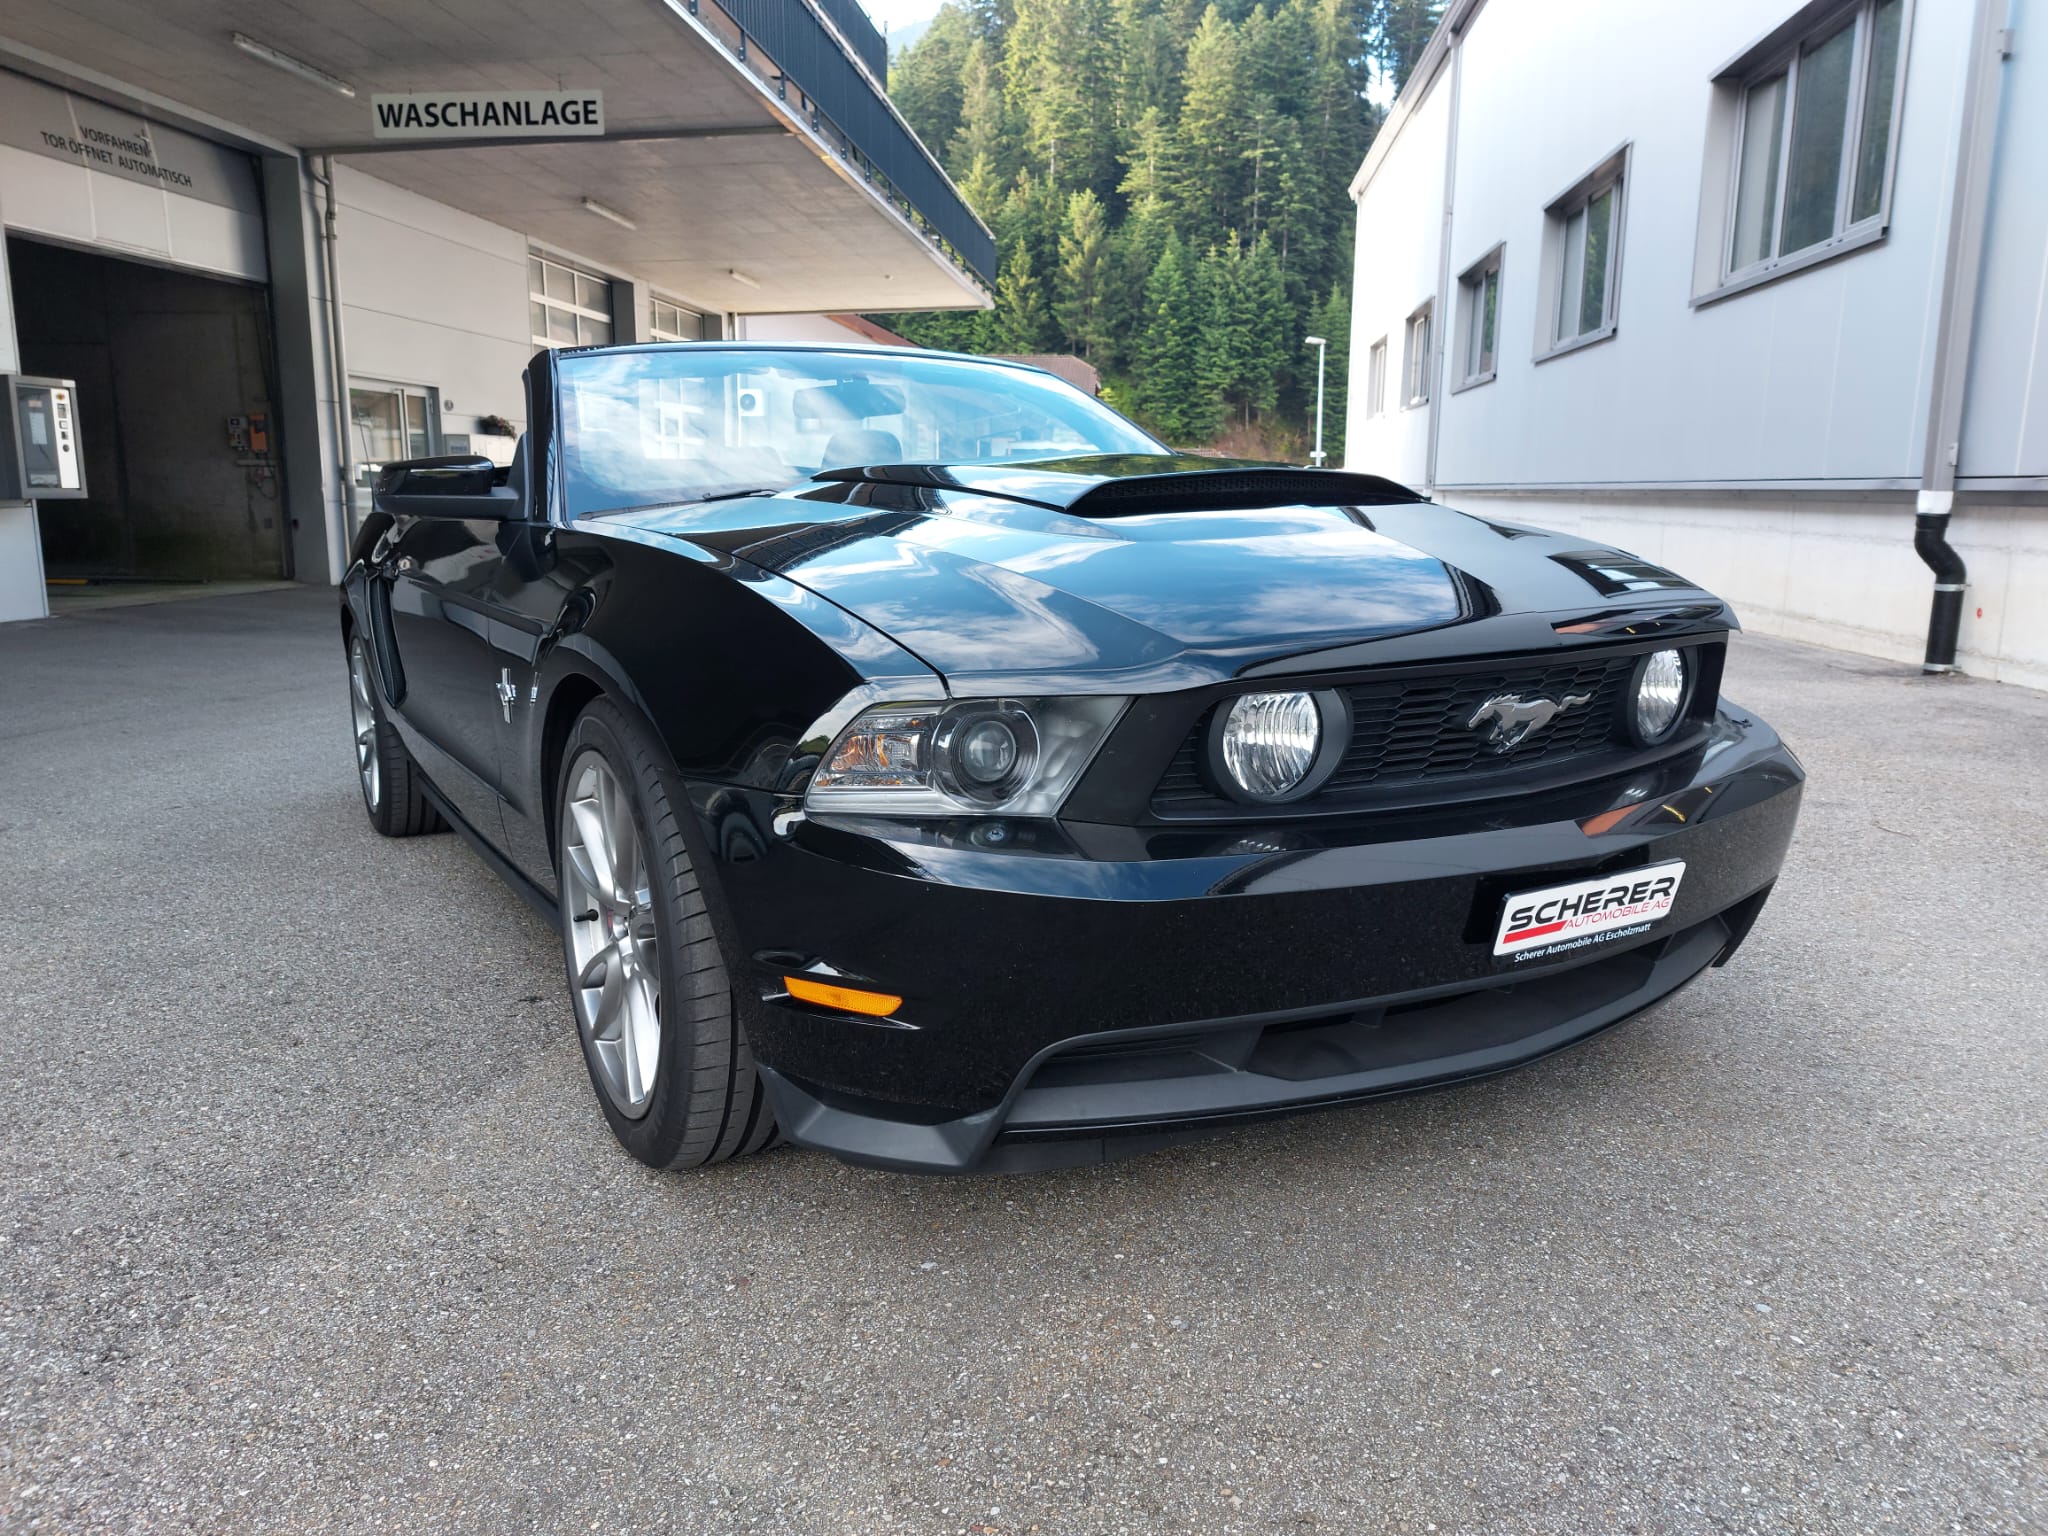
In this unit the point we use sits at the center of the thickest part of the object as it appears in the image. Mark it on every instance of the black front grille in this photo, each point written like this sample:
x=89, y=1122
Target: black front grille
x=1417, y=731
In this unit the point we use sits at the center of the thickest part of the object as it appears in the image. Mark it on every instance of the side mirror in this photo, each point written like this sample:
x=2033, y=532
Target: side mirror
x=454, y=485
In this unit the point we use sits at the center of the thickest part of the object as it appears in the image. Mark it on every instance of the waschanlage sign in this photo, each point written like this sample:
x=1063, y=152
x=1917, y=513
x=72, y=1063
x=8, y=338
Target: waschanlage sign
x=488, y=115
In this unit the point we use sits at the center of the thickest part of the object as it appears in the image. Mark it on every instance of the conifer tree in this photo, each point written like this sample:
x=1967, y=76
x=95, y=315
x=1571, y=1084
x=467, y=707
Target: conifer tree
x=1267, y=329
x=1206, y=189
x=1148, y=62
x=1169, y=389
x=1058, y=64
x=984, y=132
x=927, y=79
x=1083, y=280
x=1221, y=352
x=1020, y=313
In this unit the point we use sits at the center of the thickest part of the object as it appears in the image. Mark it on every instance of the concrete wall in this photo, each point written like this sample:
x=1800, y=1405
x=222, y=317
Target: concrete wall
x=808, y=330
x=432, y=296
x=1836, y=572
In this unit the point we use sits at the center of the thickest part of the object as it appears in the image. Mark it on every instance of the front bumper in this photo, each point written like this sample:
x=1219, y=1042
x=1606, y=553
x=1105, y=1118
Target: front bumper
x=1072, y=992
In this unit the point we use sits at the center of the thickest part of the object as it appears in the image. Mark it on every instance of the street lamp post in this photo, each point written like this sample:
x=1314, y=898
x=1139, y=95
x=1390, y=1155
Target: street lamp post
x=1322, y=346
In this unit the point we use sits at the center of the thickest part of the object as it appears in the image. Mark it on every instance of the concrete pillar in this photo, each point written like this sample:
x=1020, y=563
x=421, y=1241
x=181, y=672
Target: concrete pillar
x=301, y=363
x=22, y=593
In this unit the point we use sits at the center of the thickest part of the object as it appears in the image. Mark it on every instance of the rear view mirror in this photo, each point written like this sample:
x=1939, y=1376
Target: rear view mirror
x=453, y=485
x=844, y=403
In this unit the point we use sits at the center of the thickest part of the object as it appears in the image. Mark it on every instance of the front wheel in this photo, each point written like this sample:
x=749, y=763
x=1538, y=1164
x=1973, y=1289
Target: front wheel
x=654, y=1006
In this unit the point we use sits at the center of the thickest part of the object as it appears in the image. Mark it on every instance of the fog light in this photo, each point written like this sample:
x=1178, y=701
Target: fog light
x=1662, y=683
x=1270, y=742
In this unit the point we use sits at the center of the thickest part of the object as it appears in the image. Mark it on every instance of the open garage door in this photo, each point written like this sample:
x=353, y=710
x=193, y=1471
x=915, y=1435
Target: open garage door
x=176, y=416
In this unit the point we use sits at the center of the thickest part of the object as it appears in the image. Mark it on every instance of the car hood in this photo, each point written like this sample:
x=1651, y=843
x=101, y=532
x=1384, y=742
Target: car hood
x=1151, y=571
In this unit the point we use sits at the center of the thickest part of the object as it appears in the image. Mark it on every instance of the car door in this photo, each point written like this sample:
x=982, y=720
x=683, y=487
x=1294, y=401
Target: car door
x=536, y=602
x=443, y=569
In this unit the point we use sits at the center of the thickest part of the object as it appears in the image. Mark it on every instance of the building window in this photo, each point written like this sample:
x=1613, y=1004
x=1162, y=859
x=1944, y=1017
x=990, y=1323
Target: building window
x=1582, y=259
x=1415, y=359
x=1479, y=318
x=1376, y=379
x=566, y=307
x=1813, y=143
x=672, y=322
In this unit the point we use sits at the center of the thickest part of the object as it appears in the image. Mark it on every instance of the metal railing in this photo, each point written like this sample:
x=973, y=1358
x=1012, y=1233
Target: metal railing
x=859, y=31
x=813, y=70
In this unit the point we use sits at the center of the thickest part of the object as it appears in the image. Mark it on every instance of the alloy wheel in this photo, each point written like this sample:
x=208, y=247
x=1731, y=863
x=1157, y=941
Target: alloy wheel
x=364, y=713
x=608, y=911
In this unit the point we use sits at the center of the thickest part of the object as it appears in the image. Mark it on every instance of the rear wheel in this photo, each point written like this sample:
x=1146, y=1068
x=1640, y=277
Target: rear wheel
x=653, y=1002
x=390, y=779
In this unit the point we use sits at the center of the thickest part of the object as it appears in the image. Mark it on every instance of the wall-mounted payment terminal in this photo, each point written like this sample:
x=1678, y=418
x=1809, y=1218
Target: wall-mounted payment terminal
x=39, y=453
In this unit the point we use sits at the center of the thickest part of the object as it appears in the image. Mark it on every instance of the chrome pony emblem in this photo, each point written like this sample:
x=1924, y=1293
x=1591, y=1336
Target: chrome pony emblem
x=1515, y=719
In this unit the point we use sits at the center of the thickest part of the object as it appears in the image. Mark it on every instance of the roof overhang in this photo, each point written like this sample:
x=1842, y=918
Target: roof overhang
x=741, y=197
x=1457, y=17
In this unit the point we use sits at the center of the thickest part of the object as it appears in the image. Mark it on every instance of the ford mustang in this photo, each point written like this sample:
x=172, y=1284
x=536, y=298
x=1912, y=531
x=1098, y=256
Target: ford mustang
x=922, y=763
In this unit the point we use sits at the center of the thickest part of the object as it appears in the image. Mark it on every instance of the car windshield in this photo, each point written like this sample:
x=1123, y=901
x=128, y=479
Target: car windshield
x=686, y=422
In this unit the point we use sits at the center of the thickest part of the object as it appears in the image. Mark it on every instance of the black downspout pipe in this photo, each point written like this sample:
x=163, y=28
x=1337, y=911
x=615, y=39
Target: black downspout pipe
x=1945, y=622
x=1990, y=47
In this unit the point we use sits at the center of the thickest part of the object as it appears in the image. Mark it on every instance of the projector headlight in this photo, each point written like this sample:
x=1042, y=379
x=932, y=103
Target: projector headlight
x=1662, y=688
x=1267, y=748
x=1016, y=756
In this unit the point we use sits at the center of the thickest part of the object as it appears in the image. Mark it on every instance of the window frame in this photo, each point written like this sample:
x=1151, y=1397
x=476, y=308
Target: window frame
x=573, y=307
x=1788, y=60
x=1612, y=173
x=1781, y=51
x=1471, y=296
x=1376, y=379
x=1417, y=378
x=656, y=331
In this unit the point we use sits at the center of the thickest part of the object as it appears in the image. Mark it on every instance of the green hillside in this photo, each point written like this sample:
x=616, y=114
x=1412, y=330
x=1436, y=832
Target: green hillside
x=1166, y=183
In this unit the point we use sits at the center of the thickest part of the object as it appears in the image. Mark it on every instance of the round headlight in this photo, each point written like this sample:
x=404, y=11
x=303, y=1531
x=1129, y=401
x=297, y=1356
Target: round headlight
x=1662, y=683
x=1270, y=741
x=985, y=753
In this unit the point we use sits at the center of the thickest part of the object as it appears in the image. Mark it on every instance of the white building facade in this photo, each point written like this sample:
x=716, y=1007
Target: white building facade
x=1755, y=290
x=261, y=294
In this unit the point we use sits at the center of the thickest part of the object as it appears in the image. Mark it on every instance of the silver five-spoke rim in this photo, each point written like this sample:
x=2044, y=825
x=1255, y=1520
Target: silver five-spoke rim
x=608, y=906
x=365, y=722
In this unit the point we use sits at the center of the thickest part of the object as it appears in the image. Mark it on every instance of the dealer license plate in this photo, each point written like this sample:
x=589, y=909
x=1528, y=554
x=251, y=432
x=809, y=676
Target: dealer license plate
x=1587, y=912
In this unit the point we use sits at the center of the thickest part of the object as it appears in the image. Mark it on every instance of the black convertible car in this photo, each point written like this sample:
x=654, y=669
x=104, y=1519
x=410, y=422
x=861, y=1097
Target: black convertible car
x=924, y=764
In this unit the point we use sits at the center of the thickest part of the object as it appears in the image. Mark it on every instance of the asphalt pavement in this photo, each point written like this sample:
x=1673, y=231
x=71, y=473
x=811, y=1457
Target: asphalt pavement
x=308, y=1220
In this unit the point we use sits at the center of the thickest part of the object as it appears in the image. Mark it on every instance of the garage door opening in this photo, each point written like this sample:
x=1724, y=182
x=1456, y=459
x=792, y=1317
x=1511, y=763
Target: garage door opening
x=175, y=408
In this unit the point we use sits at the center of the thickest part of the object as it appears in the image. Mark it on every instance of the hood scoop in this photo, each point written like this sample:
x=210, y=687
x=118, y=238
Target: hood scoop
x=1227, y=490
x=1136, y=485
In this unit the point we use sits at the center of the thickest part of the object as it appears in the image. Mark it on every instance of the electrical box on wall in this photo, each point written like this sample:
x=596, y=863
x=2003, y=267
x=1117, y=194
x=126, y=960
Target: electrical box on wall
x=40, y=458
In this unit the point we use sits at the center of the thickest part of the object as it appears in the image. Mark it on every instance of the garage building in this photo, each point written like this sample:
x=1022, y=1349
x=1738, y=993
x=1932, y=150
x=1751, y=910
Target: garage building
x=274, y=247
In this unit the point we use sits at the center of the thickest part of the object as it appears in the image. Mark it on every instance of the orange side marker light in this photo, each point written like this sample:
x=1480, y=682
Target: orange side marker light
x=876, y=1005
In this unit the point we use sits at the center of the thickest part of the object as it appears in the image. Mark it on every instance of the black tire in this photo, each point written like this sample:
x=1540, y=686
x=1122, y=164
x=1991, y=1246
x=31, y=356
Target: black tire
x=393, y=795
x=705, y=1103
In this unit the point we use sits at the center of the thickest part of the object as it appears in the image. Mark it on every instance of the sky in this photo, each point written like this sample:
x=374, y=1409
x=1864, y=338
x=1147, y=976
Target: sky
x=897, y=14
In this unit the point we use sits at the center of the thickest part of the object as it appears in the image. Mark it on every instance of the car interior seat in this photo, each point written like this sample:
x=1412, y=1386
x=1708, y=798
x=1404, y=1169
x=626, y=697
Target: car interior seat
x=861, y=445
